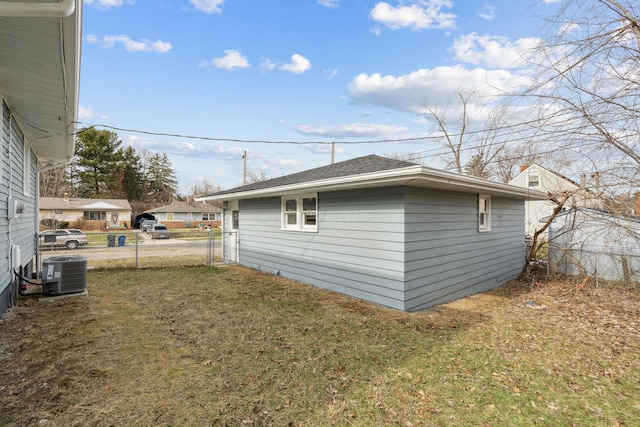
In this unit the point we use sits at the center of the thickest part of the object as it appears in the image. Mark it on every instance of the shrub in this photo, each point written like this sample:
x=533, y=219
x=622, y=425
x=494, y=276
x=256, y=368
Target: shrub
x=54, y=223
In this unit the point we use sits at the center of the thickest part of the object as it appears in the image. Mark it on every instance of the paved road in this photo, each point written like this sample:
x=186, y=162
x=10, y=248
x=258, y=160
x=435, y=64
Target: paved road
x=146, y=247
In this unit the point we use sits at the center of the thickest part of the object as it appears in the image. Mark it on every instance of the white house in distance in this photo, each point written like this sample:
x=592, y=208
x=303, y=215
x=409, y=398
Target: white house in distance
x=537, y=178
x=388, y=231
x=39, y=81
x=86, y=213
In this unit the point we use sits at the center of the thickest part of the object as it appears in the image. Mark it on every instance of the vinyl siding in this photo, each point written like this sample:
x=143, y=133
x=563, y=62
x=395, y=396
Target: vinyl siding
x=447, y=257
x=20, y=231
x=402, y=247
x=358, y=248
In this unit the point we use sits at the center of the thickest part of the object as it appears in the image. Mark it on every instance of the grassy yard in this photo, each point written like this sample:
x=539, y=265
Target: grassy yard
x=232, y=346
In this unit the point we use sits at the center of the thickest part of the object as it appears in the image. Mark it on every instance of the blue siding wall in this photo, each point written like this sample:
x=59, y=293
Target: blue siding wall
x=19, y=231
x=358, y=249
x=406, y=248
x=447, y=257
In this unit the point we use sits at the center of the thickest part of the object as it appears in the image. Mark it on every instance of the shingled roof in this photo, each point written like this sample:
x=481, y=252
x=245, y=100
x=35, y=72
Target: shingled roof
x=186, y=207
x=357, y=166
x=66, y=203
x=370, y=172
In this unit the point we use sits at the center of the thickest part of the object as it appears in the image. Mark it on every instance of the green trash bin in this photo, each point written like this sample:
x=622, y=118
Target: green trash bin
x=111, y=240
x=121, y=240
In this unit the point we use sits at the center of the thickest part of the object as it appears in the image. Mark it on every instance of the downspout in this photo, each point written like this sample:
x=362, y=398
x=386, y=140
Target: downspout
x=61, y=9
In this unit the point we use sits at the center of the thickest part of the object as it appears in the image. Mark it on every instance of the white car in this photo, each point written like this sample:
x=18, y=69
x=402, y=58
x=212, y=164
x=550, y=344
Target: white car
x=147, y=224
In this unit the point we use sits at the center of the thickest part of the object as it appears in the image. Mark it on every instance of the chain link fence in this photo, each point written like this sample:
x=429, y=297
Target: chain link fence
x=594, y=262
x=136, y=249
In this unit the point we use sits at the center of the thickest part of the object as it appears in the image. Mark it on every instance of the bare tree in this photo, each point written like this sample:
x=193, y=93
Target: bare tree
x=203, y=189
x=410, y=157
x=55, y=182
x=480, y=145
x=587, y=86
x=253, y=177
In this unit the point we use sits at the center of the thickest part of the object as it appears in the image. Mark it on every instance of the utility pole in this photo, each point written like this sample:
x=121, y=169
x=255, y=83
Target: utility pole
x=333, y=150
x=244, y=171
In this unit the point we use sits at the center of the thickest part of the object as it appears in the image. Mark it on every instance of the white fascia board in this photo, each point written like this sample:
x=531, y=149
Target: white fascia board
x=415, y=176
x=102, y=205
x=72, y=50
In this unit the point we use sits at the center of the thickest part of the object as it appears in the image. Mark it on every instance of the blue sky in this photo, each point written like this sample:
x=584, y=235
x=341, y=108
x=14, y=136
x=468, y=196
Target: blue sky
x=305, y=71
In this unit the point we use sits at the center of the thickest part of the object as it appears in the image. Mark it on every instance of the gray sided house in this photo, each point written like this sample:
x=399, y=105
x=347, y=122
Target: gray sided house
x=387, y=231
x=594, y=243
x=39, y=80
x=189, y=212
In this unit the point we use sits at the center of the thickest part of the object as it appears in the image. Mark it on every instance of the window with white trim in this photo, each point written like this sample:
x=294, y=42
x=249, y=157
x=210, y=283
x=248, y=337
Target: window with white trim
x=300, y=212
x=484, y=213
x=534, y=180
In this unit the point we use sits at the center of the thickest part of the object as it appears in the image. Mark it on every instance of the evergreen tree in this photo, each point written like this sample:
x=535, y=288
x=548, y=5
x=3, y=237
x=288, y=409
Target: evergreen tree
x=132, y=174
x=477, y=166
x=99, y=162
x=160, y=179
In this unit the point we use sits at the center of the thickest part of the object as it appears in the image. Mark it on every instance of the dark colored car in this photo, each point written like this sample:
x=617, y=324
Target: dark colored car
x=159, y=231
x=68, y=238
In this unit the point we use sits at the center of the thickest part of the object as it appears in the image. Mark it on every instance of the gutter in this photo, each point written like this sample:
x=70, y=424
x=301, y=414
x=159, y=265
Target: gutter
x=61, y=9
x=415, y=176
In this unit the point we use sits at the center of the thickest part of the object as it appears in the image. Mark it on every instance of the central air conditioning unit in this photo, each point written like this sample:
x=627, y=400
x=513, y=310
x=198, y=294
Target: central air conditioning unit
x=64, y=275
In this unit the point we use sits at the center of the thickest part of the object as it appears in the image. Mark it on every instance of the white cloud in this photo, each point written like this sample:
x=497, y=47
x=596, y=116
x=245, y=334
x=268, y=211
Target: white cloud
x=488, y=12
x=430, y=87
x=325, y=149
x=130, y=45
x=568, y=28
x=208, y=6
x=492, y=51
x=298, y=65
x=85, y=113
x=329, y=3
x=104, y=4
x=331, y=73
x=232, y=59
x=420, y=15
x=353, y=130
x=268, y=65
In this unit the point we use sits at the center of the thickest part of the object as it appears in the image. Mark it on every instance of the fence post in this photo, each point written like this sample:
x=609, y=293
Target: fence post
x=210, y=244
x=137, y=237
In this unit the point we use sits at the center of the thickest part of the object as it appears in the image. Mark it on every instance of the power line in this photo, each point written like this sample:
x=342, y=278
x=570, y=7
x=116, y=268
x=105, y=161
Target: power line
x=262, y=141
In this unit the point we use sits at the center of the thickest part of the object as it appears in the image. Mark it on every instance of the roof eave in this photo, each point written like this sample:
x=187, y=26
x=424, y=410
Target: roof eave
x=414, y=176
x=55, y=144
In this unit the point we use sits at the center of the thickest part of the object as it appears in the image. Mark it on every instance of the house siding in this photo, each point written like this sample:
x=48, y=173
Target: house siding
x=358, y=249
x=447, y=257
x=19, y=231
x=549, y=182
x=595, y=244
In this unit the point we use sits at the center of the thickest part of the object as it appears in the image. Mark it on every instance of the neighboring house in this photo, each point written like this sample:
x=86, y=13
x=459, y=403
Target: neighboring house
x=538, y=178
x=86, y=213
x=593, y=243
x=39, y=81
x=187, y=214
x=387, y=231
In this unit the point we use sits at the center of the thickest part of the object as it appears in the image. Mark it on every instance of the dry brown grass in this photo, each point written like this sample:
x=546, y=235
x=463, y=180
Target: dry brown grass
x=233, y=346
